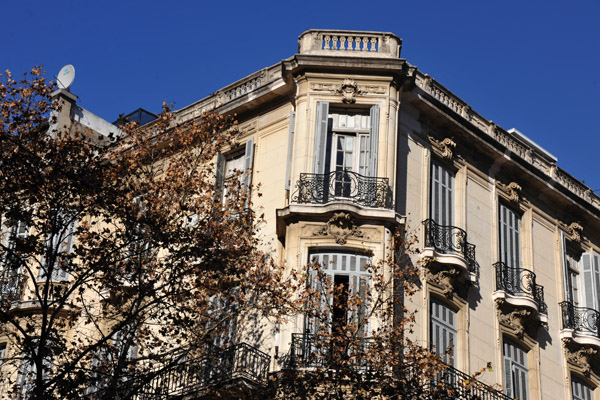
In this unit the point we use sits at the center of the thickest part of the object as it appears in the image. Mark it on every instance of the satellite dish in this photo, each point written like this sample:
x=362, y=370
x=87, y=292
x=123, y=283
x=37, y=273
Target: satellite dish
x=65, y=77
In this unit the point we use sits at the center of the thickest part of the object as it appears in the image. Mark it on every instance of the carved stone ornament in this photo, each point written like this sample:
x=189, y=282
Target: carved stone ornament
x=341, y=226
x=574, y=231
x=349, y=90
x=515, y=320
x=581, y=358
x=443, y=147
x=512, y=190
x=444, y=279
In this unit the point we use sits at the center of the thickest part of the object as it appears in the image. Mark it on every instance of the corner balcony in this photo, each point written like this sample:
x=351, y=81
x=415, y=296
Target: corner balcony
x=310, y=351
x=517, y=287
x=239, y=367
x=318, y=196
x=581, y=324
x=331, y=42
x=448, y=245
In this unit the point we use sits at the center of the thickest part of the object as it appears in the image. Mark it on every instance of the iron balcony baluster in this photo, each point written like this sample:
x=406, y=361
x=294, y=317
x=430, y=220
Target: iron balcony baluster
x=520, y=282
x=448, y=239
x=582, y=320
x=343, y=185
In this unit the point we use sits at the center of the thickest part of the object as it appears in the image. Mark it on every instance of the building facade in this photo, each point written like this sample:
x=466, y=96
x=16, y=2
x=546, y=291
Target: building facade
x=349, y=142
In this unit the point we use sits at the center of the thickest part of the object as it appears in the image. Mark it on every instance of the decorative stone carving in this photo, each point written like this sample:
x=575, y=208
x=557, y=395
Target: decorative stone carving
x=349, y=90
x=444, y=279
x=443, y=147
x=574, y=230
x=512, y=190
x=514, y=320
x=341, y=226
x=581, y=358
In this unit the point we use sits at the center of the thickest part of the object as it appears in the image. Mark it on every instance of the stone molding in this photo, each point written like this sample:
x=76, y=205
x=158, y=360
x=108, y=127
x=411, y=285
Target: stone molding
x=512, y=191
x=341, y=226
x=579, y=357
x=573, y=231
x=443, y=148
x=513, y=319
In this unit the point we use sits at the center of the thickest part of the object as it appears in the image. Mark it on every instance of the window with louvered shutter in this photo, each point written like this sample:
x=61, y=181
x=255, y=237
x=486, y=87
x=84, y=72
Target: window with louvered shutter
x=510, y=242
x=442, y=194
x=346, y=267
x=443, y=331
x=516, y=373
x=580, y=390
x=590, y=266
x=62, y=243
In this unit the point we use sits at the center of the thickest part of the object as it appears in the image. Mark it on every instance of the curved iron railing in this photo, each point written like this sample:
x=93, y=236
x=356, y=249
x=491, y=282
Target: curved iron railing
x=218, y=365
x=462, y=386
x=520, y=282
x=343, y=185
x=448, y=239
x=11, y=287
x=581, y=319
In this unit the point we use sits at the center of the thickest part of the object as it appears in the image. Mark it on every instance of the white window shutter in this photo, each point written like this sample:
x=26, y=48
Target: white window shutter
x=248, y=162
x=321, y=137
x=289, y=151
x=220, y=171
x=442, y=195
x=589, y=287
x=443, y=330
x=509, y=237
x=566, y=275
x=373, y=141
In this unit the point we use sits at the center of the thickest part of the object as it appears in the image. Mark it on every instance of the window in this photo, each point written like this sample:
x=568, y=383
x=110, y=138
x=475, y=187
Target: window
x=572, y=270
x=510, y=242
x=16, y=235
x=222, y=318
x=443, y=331
x=516, y=379
x=237, y=163
x=28, y=370
x=60, y=244
x=2, y=353
x=11, y=280
x=346, y=142
x=349, y=273
x=442, y=195
x=580, y=390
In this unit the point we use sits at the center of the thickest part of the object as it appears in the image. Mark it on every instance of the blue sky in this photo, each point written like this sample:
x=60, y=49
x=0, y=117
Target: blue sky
x=532, y=65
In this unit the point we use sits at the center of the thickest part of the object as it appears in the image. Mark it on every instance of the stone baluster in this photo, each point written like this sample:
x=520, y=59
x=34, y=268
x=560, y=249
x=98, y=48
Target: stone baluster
x=365, y=41
x=373, y=44
x=327, y=40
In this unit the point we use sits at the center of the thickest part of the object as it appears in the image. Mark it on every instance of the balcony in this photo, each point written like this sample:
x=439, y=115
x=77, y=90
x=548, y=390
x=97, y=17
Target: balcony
x=448, y=245
x=462, y=386
x=309, y=351
x=345, y=186
x=11, y=287
x=517, y=287
x=241, y=366
x=581, y=324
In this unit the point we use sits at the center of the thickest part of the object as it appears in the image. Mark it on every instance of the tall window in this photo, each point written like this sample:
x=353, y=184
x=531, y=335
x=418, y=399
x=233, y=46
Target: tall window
x=516, y=379
x=442, y=194
x=443, y=331
x=572, y=276
x=346, y=141
x=60, y=244
x=510, y=241
x=580, y=390
x=349, y=273
x=235, y=164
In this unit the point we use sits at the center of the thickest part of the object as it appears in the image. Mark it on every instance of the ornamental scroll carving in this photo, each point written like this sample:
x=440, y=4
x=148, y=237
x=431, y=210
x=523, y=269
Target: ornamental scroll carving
x=580, y=357
x=515, y=320
x=512, y=191
x=444, y=280
x=444, y=148
x=349, y=89
x=340, y=226
x=574, y=231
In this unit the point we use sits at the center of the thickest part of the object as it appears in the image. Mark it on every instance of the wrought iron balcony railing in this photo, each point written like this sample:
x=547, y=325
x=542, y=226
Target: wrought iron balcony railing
x=219, y=365
x=462, y=386
x=582, y=320
x=312, y=351
x=11, y=287
x=448, y=239
x=520, y=282
x=343, y=185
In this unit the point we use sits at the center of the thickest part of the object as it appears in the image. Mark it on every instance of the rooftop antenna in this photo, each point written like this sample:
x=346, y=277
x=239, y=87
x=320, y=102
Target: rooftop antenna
x=65, y=77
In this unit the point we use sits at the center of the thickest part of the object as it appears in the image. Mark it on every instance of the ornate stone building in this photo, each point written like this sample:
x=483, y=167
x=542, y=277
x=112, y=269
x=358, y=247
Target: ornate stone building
x=350, y=141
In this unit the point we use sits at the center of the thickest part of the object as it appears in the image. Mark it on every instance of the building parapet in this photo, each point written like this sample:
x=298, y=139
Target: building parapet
x=350, y=43
x=539, y=158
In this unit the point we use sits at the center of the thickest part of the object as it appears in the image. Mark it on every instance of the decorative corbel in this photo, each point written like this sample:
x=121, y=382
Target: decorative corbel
x=581, y=358
x=444, y=148
x=514, y=320
x=512, y=191
x=444, y=279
